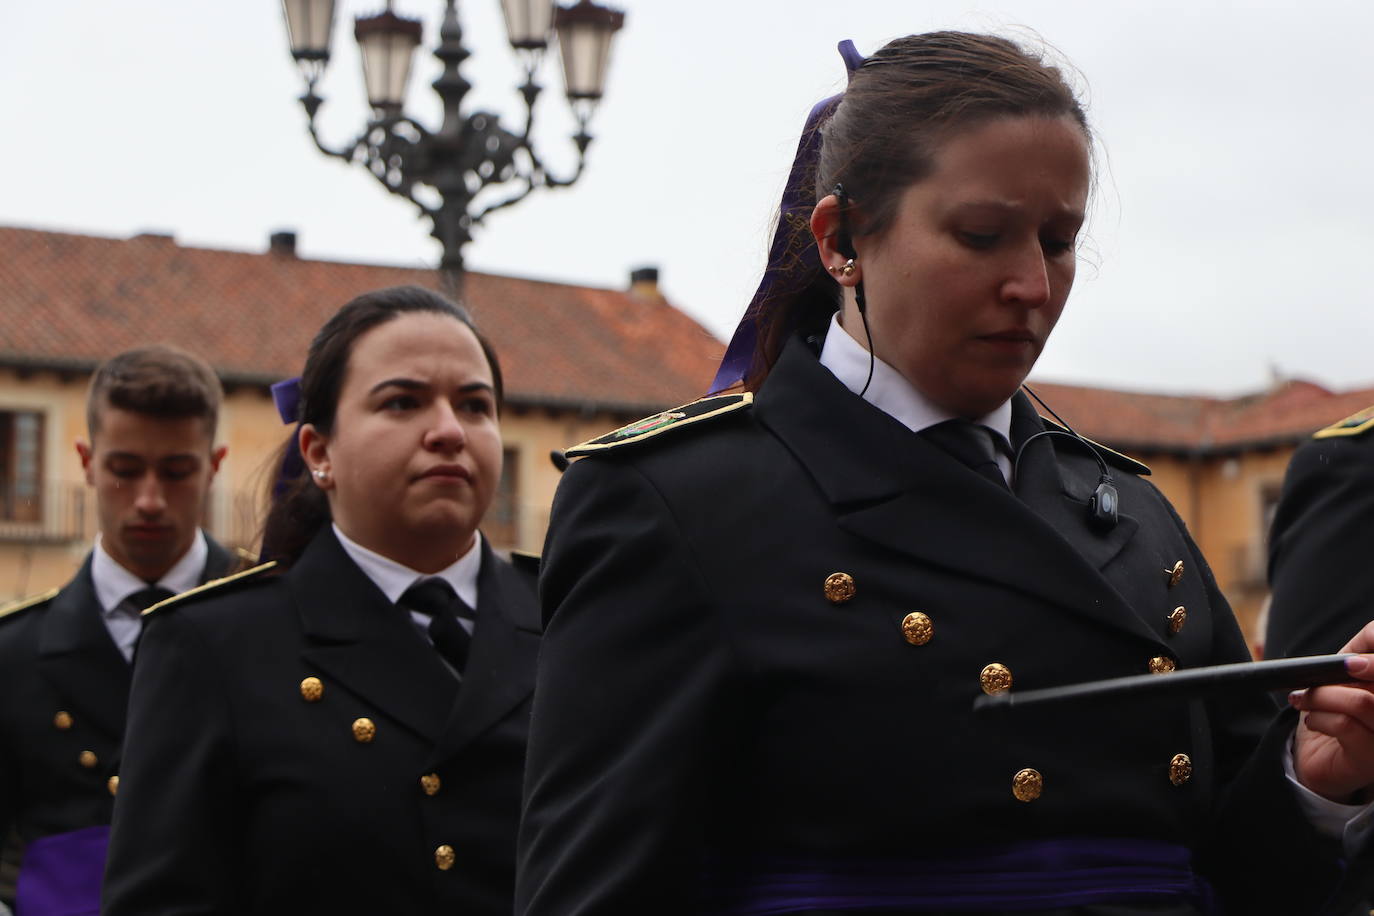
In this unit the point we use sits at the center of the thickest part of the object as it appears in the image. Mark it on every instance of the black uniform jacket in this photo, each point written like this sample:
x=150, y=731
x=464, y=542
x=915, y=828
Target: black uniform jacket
x=705, y=700
x=248, y=788
x=64, y=686
x=1322, y=542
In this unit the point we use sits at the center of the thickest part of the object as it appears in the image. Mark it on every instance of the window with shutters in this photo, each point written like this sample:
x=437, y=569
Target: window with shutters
x=501, y=525
x=21, y=465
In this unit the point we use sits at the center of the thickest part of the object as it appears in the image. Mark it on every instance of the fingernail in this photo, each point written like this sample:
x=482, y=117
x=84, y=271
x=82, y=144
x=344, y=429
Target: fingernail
x=1295, y=698
x=1357, y=665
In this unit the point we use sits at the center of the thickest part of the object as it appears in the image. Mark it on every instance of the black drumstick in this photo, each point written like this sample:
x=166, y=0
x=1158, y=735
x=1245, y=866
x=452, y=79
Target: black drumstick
x=1276, y=674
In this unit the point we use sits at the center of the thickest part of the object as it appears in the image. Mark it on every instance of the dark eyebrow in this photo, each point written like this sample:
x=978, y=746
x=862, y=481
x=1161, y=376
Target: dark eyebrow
x=162, y=459
x=1009, y=207
x=410, y=384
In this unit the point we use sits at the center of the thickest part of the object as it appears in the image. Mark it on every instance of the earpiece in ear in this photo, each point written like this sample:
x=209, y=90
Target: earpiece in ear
x=843, y=242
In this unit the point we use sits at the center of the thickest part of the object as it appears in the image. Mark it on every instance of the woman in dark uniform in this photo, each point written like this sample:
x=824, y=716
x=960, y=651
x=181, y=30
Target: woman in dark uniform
x=343, y=731
x=769, y=613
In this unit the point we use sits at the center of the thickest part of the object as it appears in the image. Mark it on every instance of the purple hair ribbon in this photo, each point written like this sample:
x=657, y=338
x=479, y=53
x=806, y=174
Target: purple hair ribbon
x=286, y=395
x=798, y=200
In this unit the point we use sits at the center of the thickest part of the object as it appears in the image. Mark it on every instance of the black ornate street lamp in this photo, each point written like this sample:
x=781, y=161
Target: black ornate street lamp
x=469, y=152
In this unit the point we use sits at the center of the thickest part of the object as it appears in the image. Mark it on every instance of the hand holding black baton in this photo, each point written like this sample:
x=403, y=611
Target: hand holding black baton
x=1275, y=674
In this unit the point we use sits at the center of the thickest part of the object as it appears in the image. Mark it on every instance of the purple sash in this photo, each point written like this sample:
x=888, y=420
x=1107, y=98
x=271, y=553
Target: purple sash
x=1017, y=878
x=61, y=874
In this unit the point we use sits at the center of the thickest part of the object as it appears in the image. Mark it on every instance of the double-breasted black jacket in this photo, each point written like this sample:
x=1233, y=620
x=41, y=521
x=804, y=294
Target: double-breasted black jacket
x=712, y=695
x=64, y=687
x=295, y=747
x=1322, y=541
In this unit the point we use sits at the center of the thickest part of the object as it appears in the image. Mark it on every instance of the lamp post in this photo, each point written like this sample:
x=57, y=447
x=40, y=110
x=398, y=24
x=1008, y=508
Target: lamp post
x=469, y=152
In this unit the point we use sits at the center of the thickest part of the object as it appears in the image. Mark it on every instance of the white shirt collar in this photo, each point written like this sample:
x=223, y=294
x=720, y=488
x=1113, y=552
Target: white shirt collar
x=113, y=583
x=889, y=391
x=394, y=578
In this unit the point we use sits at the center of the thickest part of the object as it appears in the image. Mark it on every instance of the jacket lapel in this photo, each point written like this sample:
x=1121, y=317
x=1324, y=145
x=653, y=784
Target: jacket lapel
x=354, y=635
x=218, y=563
x=902, y=493
x=80, y=660
x=1056, y=477
x=501, y=662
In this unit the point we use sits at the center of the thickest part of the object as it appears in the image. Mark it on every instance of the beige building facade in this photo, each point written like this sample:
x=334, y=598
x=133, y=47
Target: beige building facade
x=49, y=520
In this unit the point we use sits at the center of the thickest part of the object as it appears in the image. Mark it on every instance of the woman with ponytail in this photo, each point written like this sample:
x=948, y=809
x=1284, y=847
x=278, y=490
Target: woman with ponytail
x=769, y=613
x=342, y=730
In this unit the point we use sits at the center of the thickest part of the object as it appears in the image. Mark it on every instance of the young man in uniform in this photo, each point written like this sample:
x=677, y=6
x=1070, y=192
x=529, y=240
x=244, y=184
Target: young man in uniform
x=1322, y=541
x=65, y=656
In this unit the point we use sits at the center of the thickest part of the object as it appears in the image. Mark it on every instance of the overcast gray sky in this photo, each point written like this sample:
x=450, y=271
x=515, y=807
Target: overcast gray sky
x=1231, y=236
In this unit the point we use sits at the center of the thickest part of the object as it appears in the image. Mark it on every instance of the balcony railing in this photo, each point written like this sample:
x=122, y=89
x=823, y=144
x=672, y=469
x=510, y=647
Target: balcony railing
x=65, y=513
x=56, y=512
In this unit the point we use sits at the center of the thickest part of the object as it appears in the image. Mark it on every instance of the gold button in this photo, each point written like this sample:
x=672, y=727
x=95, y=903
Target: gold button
x=430, y=783
x=88, y=759
x=444, y=857
x=364, y=730
x=1177, y=618
x=917, y=628
x=1175, y=573
x=839, y=588
x=312, y=688
x=112, y=784
x=1180, y=769
x=1162, y=664
x=62, y=720
x=1027, y=785
x=995, y=678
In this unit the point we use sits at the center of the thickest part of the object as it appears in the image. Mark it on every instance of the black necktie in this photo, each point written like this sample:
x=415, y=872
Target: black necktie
x=144, y=598
x=437, y=600
x=972, y=444
x=137, y=603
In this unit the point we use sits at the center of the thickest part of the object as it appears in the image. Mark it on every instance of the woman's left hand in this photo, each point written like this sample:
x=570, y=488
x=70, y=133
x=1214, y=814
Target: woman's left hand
x=1333, y=754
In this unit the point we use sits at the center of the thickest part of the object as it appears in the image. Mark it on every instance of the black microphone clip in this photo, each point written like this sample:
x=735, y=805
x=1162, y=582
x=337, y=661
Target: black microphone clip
x=1102, y=506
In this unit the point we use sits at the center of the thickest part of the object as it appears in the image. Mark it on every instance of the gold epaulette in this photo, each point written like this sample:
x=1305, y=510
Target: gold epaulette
x=1353, y=425
x=212, y=585
x=1125, y=462
x=667, y=421
x=24, y=604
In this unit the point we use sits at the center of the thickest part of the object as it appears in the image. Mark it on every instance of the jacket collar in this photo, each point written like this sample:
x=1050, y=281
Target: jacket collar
x=77, y=655
x=501, y=663
x=903, y=493
x=355, y=635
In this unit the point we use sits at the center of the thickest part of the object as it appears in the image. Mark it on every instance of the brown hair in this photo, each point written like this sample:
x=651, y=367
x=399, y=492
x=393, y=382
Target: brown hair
x=900, y=105
x=298, y=507
x=157, y=381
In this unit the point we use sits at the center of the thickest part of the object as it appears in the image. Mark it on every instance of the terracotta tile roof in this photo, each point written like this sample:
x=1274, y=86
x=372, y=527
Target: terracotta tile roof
x=68, y=301
x=1132, y=421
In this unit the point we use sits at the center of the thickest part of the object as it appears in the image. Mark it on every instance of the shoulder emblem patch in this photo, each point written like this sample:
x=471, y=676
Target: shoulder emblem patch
x=668, y=420
x=24, y=604
x=212, y=585
x=1125, y=462
x=1353, y=425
